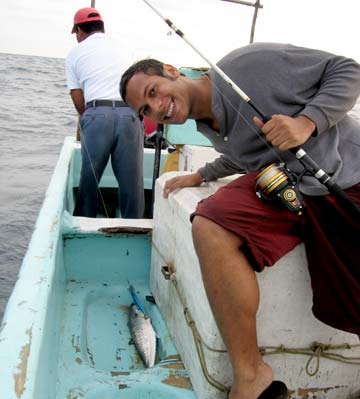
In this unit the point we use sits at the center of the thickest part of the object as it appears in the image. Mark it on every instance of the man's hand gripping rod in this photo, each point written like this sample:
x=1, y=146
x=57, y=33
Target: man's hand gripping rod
x=308, y=163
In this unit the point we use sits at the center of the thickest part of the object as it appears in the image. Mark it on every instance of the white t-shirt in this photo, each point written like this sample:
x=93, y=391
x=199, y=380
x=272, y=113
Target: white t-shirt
x=95, y=65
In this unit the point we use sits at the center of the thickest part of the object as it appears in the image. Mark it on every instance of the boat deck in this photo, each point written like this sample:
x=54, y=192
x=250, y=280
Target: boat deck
x=97, y=358
x=65, y=330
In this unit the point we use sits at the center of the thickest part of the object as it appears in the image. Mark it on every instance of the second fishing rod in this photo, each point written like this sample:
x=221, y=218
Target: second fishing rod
x=309, y=164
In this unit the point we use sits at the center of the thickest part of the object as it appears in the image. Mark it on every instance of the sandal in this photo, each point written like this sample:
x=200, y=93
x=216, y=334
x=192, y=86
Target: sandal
x=276, y=390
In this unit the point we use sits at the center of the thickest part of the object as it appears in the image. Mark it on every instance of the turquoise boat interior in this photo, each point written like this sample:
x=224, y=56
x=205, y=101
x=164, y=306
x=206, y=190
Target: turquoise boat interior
x=96, y=357
x=65, y=329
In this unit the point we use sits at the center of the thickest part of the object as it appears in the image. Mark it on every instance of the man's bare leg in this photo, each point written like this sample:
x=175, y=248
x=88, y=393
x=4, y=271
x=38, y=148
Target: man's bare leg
x=233, y=294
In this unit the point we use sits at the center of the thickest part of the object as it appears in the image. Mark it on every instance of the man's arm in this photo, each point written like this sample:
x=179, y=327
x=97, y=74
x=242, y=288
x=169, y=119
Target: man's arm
x=78, y=99
x=327, y=84
x=221, y=167
x=191, y=180
x=287, y=132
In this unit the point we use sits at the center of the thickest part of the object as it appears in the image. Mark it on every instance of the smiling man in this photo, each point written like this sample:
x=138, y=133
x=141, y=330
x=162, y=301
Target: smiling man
x=160, y=92
x=308, y=93
x=171, y=100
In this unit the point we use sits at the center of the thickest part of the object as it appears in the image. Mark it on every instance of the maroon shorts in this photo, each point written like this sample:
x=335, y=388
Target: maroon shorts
x=331, y=237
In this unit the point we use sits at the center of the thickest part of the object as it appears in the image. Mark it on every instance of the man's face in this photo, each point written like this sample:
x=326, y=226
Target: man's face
x=162, y=99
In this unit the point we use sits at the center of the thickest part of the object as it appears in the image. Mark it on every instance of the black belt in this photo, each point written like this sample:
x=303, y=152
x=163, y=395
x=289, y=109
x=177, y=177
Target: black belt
x=106, y=103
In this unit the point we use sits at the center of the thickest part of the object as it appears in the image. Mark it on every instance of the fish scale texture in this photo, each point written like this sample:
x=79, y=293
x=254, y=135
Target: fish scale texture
x=143, y=335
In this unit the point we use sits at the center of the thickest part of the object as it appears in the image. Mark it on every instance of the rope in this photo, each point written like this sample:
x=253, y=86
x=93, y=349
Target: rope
x=199, y=342
x=316, y=351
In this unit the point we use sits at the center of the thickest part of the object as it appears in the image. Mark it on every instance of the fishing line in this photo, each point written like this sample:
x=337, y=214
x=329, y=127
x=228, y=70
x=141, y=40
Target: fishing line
x=93, y=170
x=227, y=79
x=309, y=164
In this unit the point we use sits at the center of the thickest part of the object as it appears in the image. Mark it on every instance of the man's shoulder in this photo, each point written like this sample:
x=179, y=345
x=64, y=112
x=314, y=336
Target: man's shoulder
x=255, y=52
x=260, y=47
x=81, y=48
x=73, y=52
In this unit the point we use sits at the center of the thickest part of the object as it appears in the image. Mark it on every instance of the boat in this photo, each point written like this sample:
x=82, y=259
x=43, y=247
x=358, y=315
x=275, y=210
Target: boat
x=65, y=331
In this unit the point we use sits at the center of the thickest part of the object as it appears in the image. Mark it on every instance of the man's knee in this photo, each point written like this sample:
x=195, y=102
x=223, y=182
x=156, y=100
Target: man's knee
x=200, y=226
x=205, y=230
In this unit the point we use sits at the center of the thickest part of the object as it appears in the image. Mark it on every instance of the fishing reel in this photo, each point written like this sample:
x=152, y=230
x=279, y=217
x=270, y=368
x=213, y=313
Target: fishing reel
x=276, y=182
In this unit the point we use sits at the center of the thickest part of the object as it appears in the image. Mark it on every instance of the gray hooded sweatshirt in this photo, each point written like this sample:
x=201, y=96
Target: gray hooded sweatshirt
x=289, y=80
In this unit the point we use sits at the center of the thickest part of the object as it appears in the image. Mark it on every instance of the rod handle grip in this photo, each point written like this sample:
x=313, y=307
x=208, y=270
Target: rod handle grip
x=266, y=118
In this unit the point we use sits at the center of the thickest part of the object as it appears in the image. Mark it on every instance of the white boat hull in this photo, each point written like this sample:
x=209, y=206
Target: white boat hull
x=284, y=317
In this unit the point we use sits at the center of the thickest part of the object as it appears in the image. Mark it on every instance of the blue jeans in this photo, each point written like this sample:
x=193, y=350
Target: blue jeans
x=115, y=132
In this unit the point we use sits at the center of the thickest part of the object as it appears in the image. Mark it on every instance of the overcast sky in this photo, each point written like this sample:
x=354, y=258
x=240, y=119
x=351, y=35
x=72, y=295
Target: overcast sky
x=215, y=27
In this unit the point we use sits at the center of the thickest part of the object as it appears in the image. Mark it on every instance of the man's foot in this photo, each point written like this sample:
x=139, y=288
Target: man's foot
x=251, y=385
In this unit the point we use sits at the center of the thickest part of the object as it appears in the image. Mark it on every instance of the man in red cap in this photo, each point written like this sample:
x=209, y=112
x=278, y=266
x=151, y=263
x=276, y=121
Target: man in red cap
x=87, y=14
x=108, y=126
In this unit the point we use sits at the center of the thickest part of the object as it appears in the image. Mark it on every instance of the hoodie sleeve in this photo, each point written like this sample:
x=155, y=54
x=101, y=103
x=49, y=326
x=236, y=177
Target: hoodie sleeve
x=221, y=167
x=334, y=81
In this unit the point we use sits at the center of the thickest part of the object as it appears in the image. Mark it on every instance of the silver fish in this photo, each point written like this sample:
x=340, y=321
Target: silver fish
x=143, y=335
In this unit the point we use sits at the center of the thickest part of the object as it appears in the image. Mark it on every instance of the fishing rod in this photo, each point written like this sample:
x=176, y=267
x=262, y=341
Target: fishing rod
x=159, y=140
x=309, y=164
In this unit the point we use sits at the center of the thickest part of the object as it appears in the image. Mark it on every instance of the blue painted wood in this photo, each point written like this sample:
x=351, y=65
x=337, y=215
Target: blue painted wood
x=64, y=332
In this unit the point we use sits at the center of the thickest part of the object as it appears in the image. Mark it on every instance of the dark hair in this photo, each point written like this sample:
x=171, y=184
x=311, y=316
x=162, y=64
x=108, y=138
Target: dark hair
x=91, y=26
x=148, y=66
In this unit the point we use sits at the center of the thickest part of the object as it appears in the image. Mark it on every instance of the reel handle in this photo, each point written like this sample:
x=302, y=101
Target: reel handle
x=311, y=166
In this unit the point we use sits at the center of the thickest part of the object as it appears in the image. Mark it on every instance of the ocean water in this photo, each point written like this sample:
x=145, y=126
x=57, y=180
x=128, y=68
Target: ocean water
x=36, y=113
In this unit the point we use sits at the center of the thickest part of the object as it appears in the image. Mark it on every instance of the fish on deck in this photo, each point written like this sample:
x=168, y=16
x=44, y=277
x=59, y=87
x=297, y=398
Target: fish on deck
x=142, y=332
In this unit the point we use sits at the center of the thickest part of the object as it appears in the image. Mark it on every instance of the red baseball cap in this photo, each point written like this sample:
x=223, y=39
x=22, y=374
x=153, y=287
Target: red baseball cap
x=86, y=14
